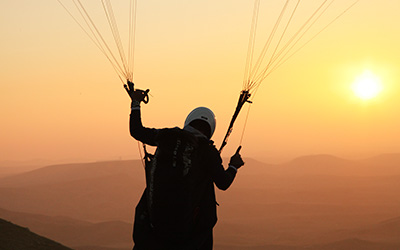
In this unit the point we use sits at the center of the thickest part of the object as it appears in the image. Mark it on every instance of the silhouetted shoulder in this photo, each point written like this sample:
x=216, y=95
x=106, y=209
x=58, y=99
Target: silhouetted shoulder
x=213, y=156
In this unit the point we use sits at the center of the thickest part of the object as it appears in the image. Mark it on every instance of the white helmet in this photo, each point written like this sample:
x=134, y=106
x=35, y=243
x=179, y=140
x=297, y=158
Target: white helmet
x=204, y=114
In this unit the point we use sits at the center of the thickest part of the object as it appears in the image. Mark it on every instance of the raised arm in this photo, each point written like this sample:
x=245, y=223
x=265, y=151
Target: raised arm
x=222, y=177
x=146, y=135
x=137, y=131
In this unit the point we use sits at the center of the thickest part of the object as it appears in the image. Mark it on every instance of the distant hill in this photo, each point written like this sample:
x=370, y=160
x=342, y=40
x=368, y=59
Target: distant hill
x=355, y=244
x=100, y=191
x=387, y=231
x=14, y=237
x=108, y=191
x=309, y=200
x=322, y=164
x=347, y=244
x=54, y=174
x=382, y=165
x=75, y=233
x=10, y=171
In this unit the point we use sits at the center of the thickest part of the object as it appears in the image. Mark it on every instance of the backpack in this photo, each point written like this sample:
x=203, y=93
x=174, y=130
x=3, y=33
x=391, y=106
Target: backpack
x=175, y=183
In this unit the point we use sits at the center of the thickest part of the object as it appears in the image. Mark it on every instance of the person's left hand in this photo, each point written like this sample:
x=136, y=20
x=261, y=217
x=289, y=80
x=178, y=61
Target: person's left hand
x=236, y=159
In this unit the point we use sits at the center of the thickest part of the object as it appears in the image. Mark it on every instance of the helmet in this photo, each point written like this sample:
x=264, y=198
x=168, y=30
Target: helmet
x=203, y=114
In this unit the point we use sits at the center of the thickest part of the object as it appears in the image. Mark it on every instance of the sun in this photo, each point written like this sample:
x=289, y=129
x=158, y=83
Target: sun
x=367, y=85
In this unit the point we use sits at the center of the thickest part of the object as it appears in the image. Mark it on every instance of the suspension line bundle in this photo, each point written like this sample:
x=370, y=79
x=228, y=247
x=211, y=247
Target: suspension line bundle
x=123, y=63
x=279, y=47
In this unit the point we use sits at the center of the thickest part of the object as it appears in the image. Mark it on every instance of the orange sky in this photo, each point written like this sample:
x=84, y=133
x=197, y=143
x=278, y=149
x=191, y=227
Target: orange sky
x=61, y=100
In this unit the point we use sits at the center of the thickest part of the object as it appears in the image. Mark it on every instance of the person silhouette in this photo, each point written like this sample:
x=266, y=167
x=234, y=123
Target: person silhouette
x=178, y=208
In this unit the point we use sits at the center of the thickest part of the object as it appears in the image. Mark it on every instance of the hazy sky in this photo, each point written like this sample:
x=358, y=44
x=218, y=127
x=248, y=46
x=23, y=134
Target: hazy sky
x=61, y=99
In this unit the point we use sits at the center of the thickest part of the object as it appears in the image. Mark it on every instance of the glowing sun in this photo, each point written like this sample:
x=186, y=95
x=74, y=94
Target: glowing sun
x=367, y=85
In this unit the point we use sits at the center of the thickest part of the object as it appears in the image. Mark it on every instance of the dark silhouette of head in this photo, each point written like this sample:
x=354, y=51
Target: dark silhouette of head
x=202, y=126
x=202, y=119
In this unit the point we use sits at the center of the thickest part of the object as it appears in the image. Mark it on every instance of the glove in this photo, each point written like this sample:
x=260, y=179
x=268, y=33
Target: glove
x=236, y=159
x=137, y=95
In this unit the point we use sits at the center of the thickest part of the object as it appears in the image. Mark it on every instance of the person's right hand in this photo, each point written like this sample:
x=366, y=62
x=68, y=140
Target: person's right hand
x=137, y=95
x=236, y=159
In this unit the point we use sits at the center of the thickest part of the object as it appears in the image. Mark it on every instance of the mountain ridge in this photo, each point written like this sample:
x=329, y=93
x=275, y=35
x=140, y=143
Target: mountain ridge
x=14, y=237
x=285, y=204
x=306, y=164
x=74, y=233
